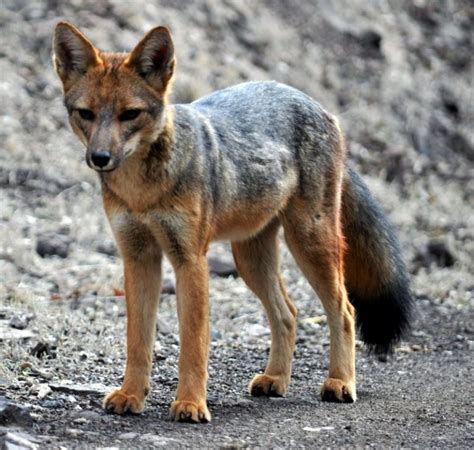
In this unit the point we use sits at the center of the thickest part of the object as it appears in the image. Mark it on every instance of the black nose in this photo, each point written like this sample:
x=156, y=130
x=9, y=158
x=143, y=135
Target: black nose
x=101, y=158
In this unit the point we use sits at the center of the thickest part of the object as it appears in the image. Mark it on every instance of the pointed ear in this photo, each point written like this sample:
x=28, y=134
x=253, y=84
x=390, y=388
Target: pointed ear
x=73, y=54
x=153, y=58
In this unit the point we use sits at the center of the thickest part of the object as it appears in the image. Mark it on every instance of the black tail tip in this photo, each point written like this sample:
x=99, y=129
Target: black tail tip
x=385, y=318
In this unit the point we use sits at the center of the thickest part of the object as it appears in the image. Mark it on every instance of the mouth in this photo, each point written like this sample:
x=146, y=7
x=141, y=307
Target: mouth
x=99, y=170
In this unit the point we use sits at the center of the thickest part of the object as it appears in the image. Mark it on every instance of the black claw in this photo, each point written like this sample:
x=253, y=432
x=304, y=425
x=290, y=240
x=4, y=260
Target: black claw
x=203, y=418
x=330, y=396
x=273, y=392
x=257, y=391
x=347, y=397
x=109, y=408
x=185, y=416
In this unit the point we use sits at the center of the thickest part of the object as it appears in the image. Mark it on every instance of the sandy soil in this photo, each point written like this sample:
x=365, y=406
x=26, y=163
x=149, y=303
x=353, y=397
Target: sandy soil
x=398, y=74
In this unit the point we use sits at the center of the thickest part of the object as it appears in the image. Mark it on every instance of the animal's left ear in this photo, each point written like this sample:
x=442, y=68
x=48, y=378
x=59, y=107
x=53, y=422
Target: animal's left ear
x=153, y=58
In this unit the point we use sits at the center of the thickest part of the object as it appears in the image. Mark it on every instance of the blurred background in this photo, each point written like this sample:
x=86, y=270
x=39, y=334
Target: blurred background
x=399, y=74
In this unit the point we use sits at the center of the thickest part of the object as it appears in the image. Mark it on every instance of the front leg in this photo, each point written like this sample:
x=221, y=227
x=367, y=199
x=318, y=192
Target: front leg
x=142, y=289
x=193, y=314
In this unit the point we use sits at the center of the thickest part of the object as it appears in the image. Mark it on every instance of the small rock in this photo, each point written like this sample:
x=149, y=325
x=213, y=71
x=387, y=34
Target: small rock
x=53, y=245
x=14, y=414
x=168, y=286
x=128, y=436
x=371, y=38
x=89, y=416
x=163, y=327
x=107, y=248
x=38, y=372
x=222, y=268
x=449, y=102
x=81, y=420
x=315, y=319
x=19, y=322
x=403, y=349
x=159, y=441
x=53, y=404
x=460, y=144
x=317, y=429
x=43, y=391
x=42, y=349
x=440, y=251
x=93, y=388
x=255, y=329
x=74, y=432
x=436, y=252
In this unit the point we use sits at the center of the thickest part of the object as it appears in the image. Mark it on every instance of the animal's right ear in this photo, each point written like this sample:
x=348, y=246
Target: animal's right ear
x=153, y=58
x=73, y=54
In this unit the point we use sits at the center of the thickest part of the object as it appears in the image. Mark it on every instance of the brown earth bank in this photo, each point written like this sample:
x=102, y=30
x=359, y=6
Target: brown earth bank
x=398, y=74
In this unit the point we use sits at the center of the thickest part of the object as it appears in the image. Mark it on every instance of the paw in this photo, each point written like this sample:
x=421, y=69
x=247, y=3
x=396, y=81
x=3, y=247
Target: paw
x=184, y=411
x=268, y=385
x=335, y=390
x=119, y=402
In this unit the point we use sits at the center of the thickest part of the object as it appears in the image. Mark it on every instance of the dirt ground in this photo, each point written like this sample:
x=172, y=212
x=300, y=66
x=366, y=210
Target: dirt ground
x=400, y=77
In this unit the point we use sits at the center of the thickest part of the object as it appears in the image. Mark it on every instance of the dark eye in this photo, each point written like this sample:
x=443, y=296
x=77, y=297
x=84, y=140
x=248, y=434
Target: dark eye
x=86, y=114
x=129, y=114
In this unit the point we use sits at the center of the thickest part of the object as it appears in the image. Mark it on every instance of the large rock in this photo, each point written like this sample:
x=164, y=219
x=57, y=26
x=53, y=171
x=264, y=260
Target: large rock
x=13, y=414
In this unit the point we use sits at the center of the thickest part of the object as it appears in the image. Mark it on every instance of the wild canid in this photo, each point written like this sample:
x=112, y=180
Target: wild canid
x=237, y=164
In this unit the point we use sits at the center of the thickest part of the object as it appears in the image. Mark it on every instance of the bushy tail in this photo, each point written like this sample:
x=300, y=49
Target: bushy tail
x=375, y=274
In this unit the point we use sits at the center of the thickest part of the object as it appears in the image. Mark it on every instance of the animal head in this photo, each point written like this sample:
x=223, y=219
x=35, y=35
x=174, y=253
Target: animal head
x=115, y=101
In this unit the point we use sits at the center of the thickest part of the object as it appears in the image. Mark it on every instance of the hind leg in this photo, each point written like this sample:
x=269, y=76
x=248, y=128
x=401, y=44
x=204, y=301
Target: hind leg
x=258, y=263
x=316, y=243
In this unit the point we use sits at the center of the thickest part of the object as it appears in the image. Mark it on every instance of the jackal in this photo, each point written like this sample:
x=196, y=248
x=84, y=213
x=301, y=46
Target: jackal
x=238, y=165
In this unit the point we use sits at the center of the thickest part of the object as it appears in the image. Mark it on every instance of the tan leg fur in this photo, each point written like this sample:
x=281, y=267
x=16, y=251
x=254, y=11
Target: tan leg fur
x=258, y=263
x=316, y=242
x=193, y=314
x=142, y=287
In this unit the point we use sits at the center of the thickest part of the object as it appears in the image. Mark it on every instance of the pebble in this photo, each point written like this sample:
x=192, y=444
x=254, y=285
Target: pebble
x=81, y=420
x=318, y=429
x=255, y=329
x=168, y=286
x=53, y=245
x=127, y=436
x=93, y=388
x=43, y=391
x=42, y=349
x=19, y=322
x=159, y=441
x=107, y=248
x=222, y=268
x=163, y=327
x=74, y=432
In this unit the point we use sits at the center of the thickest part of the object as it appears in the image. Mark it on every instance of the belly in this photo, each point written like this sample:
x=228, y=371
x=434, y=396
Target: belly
x=243, y=218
